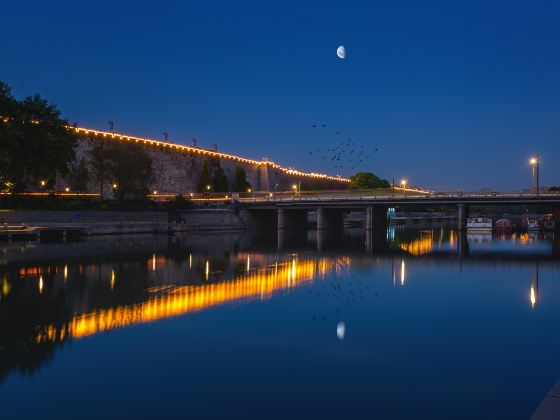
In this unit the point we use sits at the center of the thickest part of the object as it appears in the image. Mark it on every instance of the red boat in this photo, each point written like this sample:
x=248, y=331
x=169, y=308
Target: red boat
x=503, y=225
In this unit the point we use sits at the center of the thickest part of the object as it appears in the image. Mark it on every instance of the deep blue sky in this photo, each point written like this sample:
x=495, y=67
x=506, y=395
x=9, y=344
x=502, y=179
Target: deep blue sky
x=454, y=94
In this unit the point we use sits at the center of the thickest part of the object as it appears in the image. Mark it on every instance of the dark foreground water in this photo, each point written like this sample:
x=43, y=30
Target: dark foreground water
x=425, y=324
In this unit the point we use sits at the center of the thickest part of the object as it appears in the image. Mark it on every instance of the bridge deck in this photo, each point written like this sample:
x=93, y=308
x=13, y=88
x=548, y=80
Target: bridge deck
x=345, y=200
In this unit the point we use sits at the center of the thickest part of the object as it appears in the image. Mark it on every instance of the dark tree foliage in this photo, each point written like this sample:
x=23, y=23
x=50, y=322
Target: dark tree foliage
x=36, y=143
x=367, y=180
x=205, y=178
x=126, y=165
x=220, y=181
x=79, y=176
x=98, y=164
x=212, y=174
x=240, y=183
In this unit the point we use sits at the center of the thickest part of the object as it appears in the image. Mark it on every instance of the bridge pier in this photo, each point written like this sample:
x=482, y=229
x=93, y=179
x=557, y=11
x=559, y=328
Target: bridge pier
x=331, y=219
x=556, y=217
x=462, y=214
x=376, y=218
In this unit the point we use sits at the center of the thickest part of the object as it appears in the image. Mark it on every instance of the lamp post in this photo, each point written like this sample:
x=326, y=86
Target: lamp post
x=208, y=187
x=43, y=184
x=115, y=186
x=403, y=186
x=534, y=162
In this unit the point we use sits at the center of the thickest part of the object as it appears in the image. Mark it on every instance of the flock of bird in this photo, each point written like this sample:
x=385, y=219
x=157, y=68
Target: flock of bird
x=346, y=290
x=347, y=153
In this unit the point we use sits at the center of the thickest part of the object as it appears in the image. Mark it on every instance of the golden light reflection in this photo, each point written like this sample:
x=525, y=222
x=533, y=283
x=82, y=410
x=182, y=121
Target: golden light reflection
x=180, y=300
x=190, y=261
x=207, y=270
x=403, y=272
x=5, y=287
x=112, y=279
x=533, y=294
x=65, y=272
x=419, y=246
x=40, y=284
x=154, y=262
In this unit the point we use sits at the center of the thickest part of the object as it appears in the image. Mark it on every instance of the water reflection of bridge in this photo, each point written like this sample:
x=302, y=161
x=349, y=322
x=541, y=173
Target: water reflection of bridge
x=49, y=295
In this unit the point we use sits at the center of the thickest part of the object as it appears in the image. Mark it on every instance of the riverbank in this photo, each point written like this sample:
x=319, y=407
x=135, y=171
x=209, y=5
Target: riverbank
x=33, y=224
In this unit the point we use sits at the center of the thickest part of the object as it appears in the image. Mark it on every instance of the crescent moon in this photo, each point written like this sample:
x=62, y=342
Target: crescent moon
x=341, y=51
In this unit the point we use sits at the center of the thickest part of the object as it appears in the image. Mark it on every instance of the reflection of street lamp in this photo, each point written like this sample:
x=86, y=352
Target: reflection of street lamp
x=403, y=186
x=534, y=293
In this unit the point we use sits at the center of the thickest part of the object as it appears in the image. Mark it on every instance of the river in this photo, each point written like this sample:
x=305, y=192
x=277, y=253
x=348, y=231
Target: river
x=429, y=324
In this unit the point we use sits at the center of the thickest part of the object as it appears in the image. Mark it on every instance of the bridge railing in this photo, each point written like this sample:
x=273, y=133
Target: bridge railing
x=345, y=195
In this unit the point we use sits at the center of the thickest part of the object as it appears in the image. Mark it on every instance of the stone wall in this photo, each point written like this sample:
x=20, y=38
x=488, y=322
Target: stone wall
x=177, y=171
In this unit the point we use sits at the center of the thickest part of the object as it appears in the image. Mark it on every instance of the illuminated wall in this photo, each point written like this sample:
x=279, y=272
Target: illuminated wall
x=176, y=167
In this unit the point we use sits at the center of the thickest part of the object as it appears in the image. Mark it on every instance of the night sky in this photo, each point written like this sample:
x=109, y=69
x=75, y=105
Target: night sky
x=453, y=94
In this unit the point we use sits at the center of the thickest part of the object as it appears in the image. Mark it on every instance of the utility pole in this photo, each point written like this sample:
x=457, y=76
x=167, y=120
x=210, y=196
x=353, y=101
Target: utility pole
x=111, y=125
x=165, y=136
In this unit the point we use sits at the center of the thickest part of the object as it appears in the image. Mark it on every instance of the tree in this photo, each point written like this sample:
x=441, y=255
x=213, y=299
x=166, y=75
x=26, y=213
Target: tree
x=79, y=176
x=204, y=179
x=129, y=166
x=220, y=181
x=126, y=165
x=36, y=142
x=367, y=180
x=98, y=163
x=240, y=183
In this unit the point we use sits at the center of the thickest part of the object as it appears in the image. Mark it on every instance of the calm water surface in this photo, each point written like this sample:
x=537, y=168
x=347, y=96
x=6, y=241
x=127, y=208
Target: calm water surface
x=420, y=324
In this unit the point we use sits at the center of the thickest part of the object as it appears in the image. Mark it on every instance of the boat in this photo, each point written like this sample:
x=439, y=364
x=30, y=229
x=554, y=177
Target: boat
x=503, y=225
x=530, y=224
x=547, y=222
x=479, y=224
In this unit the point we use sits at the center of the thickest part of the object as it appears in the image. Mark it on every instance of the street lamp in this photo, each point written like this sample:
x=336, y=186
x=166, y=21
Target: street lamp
x=294, y=187
x=534, y=162
x=67, y=189
x=403, y=186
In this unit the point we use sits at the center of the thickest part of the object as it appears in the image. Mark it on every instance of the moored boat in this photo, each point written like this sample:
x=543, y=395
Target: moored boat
x=479, y=224
x=547, y=222
x=531, y=225
x=503, y=225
